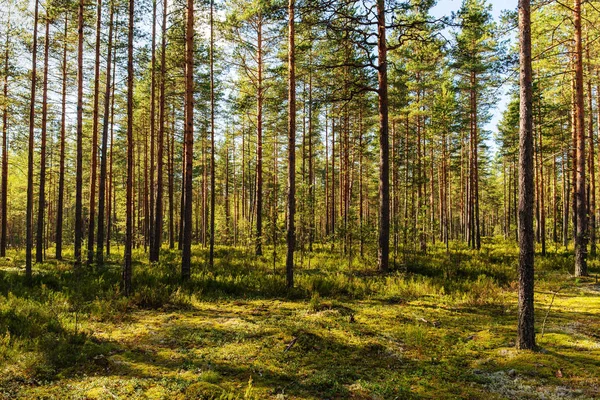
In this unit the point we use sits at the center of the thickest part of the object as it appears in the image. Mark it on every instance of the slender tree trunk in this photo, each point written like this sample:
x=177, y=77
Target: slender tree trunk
x=188, y=142
x=79, y=168
x=592, y=169
x=39, y=254
x=5, y=146
x=212, y=140
x=291, y=200
x=259, y=134
x=525, y=329
x=130, y=146
x=152, y=206
x=103, y=155
x=172, y=185
x=111, y=214
x=94, y=156
x=158, y=205
x=61, y=174
x=580, y=237
x=29, y=213
x=384, y=179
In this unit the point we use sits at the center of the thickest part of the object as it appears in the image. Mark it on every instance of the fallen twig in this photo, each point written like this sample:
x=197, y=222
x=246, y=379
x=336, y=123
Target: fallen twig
x=289, y=346
x=549, y=307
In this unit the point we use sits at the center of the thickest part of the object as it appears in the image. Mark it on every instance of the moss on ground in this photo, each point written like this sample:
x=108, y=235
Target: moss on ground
x=441, y=326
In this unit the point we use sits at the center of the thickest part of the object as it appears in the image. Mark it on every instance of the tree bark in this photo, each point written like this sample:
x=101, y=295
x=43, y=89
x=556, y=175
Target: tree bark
x=291, y=195
x=94, y=155
x=61, y=176
x=130, y=143
x=212, y=140
x=580, y=237
x=153, y=256
x=103, y=155
x=259, y=134
x=525, y=329
x=79, y=156
x=158, y=207
x=5, y=146
x=188, y=142
x=29, y=213
x=384, y=184
x=39, y=243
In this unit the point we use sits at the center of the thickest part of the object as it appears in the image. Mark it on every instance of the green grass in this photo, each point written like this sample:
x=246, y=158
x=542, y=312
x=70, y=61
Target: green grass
x=440, y=326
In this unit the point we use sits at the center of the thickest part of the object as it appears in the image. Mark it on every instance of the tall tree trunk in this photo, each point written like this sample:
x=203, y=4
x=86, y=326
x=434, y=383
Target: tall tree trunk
x=151, y=207
x=172, y=185
x=212, y=140
x=384, y=179
x=592, y=169
x=61, y=176
x=5, y=146
x=259, y=134
x=79, y=156
x=39, y=243
x=94, y=156
x=158, y=206
x=291, y=195
x=129, y=196
x=525, y=329
x=111, y=212
x=580, y=237
x=103, y=155
x=29, y=213
x=188, y=142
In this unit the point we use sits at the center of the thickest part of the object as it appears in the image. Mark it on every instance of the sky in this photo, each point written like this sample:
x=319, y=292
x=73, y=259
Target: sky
x=446, y=7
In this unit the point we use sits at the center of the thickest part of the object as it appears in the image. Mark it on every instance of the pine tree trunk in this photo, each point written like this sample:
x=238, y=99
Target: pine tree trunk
x=130, y=145
x=525, y=330
x=152, y=206
x=580, y=237
x=94, y=156
x=172, y=185
x=291, y=195
x=3, y=203
x=61, y=173
x=384, y=179
x=39, y=243
x=103, y=152
x=188, y=142
x=157, y=226
x=259, y=134
x=29, y=213
x=212, y=140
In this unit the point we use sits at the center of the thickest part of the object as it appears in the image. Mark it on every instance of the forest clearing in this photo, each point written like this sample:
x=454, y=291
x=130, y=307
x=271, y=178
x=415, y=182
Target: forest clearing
x=299, y=199
x=443, y=328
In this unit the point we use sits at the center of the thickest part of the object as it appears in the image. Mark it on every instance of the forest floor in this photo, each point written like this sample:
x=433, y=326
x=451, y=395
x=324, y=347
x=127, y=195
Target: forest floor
x=441, y=326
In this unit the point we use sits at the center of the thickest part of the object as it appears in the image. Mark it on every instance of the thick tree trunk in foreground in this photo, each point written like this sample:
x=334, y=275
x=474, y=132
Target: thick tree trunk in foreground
x=525, y=329
x=384, y=152
x=291, y=195
x=581, y=208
